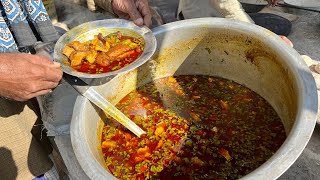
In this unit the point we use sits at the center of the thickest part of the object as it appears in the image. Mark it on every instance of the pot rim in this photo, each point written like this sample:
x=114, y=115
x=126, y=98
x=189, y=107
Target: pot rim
x=296, y=140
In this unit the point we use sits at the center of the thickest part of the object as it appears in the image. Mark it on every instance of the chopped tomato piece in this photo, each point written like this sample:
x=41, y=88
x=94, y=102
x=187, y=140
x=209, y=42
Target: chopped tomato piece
x=223, y=152
x=108, y=144
x=159, y=131
x=160, y=143
x=224, y=104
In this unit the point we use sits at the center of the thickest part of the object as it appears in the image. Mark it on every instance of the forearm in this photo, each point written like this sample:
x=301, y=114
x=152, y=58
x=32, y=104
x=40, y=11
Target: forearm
x=231, y=9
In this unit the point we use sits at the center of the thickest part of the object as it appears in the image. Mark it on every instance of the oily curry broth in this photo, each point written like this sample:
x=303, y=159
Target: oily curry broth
x=198, y=127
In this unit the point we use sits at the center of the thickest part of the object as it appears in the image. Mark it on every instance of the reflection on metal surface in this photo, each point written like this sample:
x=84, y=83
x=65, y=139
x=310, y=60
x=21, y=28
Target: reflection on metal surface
x=111, y=110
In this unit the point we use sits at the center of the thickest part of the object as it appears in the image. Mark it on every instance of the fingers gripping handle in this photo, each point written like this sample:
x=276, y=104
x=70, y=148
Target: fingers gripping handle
x=46, y=50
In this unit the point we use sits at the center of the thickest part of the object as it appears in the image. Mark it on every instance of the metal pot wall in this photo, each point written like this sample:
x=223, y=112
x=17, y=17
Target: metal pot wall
x=245, y=53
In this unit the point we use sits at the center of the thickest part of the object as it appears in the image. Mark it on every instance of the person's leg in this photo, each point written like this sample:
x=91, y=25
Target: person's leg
x=56, y=109
x=189, y=9
x=22, y=156
x=231, y=9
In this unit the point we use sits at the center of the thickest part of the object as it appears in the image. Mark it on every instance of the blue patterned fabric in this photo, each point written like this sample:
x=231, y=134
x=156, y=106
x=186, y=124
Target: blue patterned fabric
x=13, y=11
x=7, y=43
x=19, y=20
x=36, y=10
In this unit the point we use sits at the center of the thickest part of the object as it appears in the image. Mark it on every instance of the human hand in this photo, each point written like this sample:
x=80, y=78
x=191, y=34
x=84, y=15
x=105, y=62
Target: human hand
x=273, y=2
x=24, y=76
x=136, y=10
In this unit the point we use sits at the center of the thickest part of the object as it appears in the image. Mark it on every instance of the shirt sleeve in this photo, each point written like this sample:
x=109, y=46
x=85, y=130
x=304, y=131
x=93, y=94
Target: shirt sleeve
x=231, y=9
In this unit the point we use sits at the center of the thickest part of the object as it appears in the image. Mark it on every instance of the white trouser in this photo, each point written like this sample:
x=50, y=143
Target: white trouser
x=231, y=9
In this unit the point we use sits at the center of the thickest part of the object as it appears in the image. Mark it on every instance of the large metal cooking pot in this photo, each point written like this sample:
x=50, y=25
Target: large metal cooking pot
x=245, y=53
